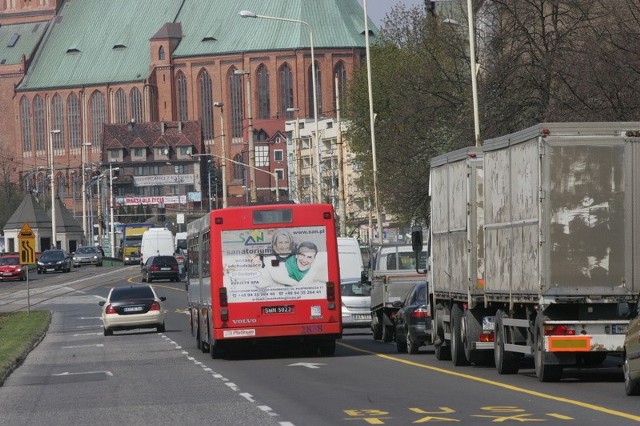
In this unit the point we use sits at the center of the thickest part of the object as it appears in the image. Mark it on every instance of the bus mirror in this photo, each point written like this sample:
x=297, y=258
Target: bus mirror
x=416, y=238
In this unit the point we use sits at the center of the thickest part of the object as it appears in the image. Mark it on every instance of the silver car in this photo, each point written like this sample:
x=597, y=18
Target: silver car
x=87, y=255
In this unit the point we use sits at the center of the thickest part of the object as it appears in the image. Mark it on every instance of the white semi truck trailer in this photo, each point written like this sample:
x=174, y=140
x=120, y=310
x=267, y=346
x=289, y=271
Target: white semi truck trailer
x=535, y=247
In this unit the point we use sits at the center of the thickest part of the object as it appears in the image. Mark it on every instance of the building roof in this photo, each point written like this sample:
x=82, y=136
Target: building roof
x=31, y=212
x=94, y=42
x=154, y=134
x=19, y=39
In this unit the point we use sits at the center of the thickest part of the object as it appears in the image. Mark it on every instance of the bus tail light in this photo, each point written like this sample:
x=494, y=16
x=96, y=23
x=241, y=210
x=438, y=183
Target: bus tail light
x=224, y=314
x=331, y=295
x=223, y=296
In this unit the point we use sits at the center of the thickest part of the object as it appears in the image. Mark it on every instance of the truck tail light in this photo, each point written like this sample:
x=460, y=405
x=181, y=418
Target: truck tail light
x=558, y=330
x=487, y=337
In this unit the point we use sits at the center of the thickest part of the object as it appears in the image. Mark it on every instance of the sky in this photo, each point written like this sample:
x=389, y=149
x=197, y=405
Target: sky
x=377, y=9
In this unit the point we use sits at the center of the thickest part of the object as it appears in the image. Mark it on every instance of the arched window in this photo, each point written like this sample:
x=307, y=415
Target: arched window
x=340, y=73
x=286, y=91
x=121, y=107
x=73, y=120
x=61, y=184
x=318, y=90
x=235, y=94
x=206, y=105
x=135, y=98
x=239, y=169
x=97, y=117
x=38, y=118
x=161, y=53
x=57, y=121
x=181, y=92
x=264, y=104
x=25, y=121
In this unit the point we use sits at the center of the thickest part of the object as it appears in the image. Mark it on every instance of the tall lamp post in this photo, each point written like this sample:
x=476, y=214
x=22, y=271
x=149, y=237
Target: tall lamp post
x=112, y=236
x=372, y=127
x=84, y=191
x=252, y=149
x=54, y=237
x=223, y=145
x=250, y=14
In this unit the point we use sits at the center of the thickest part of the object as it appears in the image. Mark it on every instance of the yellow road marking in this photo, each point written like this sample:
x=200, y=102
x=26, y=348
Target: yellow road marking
x=500, y=385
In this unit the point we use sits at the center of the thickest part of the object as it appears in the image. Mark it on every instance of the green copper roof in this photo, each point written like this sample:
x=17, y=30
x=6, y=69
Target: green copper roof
x=95, y=42
x=19, y=39
x=216, y=27
x=98, y=41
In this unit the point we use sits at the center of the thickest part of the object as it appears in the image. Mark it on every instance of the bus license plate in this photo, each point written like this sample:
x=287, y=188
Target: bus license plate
x=284, y=309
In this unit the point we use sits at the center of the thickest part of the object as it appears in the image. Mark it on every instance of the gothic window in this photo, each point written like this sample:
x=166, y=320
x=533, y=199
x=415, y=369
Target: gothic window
x=340, y=73
x=161, y=53
x=97, y=117
x=57, y=115
x=286, y=91
x=73, y=120
x=264, y=103
x=121, y=107
x=318, y=90
x=238, y=168
x=206, y=104
x=135, y=98
x=181, y=91
x=61, y=184
x=38, y=117
x=25, y=121
x=235, y=91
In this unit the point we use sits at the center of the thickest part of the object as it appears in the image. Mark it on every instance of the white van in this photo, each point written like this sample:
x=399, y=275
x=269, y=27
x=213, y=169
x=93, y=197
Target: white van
x=356, y=294
x=156, y=242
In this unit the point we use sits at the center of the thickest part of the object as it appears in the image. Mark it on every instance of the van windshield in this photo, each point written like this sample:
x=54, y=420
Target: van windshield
x=355, y=289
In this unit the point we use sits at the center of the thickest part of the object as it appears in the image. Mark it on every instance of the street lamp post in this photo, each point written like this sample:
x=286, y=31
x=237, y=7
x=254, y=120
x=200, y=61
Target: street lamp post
x=54, y=237
x=223, y=145
x=209, y=163
x=111, y=229
x=372, y=127
x=250, y=14
x=84, y=191
x=252, y=149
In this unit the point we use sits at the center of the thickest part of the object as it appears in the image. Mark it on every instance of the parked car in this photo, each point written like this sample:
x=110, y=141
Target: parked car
x=87, y=255
x=11, y=269
x=160, y=268
x=413, y=320
x=54, y=260
x=131, y=307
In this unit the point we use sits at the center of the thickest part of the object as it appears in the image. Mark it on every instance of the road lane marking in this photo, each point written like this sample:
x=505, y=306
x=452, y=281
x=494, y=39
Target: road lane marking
x=556, y=398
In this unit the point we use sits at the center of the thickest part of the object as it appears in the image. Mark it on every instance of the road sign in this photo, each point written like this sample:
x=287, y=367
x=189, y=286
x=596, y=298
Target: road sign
x=27, y=245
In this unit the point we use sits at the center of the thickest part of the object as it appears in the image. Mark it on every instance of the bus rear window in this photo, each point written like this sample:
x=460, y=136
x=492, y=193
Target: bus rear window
x=265, y=217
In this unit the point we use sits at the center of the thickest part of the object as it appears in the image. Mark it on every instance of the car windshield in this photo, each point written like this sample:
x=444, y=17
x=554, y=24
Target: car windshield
x=9, y=261
x=355, y=289
x=53, y=255
x=87, y=250
x=130, y=293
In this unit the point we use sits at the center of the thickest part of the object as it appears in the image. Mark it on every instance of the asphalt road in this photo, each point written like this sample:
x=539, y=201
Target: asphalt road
x=78, y=376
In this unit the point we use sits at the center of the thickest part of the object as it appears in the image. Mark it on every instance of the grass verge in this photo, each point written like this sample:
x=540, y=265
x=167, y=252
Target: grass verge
x=19, y=333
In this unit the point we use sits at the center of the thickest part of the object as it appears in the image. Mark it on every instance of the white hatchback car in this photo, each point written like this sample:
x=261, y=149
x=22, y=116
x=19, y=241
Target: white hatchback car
x=131, y=307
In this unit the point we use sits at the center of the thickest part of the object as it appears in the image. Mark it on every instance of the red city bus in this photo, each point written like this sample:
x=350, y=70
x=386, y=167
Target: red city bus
x=264, y=272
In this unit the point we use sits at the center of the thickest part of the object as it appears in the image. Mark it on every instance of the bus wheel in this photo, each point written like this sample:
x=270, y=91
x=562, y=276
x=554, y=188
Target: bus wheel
x=327, y=347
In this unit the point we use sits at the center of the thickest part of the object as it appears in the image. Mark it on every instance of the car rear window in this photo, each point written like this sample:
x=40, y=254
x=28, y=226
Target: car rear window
x=127, y=293
x=160, y=260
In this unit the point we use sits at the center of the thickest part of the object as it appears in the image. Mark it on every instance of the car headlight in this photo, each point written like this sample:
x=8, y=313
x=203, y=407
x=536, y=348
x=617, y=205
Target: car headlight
x=40, y=263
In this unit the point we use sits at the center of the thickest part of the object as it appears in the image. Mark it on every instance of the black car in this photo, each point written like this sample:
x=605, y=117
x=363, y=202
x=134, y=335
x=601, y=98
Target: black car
x=161, y=268
x=413, y=320
x=54, y=260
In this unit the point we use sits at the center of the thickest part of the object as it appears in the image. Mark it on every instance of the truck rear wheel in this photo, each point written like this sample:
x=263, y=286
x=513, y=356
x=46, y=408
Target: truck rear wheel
x=457, y=349
x=506, y=362
x=443, y=352
x=387, y=333
x=544, y=371
x=376, y=326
